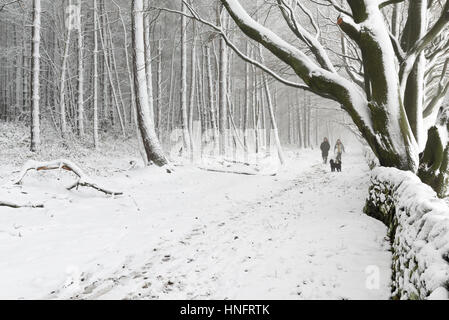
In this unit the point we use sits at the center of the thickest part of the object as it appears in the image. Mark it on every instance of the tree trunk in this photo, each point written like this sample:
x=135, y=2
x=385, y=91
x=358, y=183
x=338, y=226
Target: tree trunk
x=35, y=127
x=305, y=121
x=298, y=121
x=18, y=72
x=62, y=85
x=117, y=77
x=146, y=123
x=247, y=104
x=148, y=57
x=273, y=122
x=184, y=114
x=192, y=90
x=108, y=66
x=213, y=118
x=80, y=75
x=159, y=90
x=414, y=97
x=223, y=72
x=95, y=77
x=434, y=166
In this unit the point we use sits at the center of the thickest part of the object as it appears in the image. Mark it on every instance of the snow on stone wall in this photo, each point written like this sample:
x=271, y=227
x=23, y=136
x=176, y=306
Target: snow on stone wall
x=418, y=225
x=370, y=158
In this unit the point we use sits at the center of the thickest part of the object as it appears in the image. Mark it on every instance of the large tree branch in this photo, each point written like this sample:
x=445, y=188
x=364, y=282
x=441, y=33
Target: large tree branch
x=389, y=2
x=244, y=57
x=436, y=101
x=336, y=6
x=434, y=32
x=310, y=17
x=400, y=54
x=440, y=94
x=347, y=64
x=348, y=26
x=288, y=11
x=415, y=51
x=320, y=81
x=307, y=70
x=8, y=4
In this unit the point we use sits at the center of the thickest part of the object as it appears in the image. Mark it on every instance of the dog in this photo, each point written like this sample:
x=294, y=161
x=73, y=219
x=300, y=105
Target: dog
x=335, y=165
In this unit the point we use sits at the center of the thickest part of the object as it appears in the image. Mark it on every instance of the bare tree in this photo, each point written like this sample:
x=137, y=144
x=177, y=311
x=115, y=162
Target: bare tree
x=62, y=83
x=192, y=91
x=272, y=116
x=222, y=84
x=146, y=123
x=184, y=114
x=95, y=77
x=80, y=74
x=148, y=58
x=35, y=126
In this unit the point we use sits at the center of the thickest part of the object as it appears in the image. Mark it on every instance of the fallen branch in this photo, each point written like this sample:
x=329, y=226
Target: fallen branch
x=81, y=183
x=247, y=164
x=83, y=179
x=17, y=206
x=223, y=161
x=246, y=173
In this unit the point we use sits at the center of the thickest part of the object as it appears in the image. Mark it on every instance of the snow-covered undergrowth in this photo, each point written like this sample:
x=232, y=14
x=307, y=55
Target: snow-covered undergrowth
x=114, y=151
x=419, y=232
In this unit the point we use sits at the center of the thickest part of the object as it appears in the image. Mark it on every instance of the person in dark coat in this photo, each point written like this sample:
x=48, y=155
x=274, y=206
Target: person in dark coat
x=325, y=146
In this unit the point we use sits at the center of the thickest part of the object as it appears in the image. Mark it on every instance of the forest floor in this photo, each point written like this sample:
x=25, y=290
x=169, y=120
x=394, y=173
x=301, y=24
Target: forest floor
x=194, y=234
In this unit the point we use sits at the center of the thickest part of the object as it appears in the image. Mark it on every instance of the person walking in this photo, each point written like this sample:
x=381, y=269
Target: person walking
x=339, y=149
x=325, y=147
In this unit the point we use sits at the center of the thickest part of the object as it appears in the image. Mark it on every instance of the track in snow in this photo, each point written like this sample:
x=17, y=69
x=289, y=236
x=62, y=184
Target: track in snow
x=309, y=240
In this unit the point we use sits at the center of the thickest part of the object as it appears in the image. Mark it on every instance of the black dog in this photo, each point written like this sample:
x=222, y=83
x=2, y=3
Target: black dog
x=335, y=165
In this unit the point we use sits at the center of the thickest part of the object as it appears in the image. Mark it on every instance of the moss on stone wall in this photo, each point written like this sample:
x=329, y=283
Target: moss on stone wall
x=408, y=225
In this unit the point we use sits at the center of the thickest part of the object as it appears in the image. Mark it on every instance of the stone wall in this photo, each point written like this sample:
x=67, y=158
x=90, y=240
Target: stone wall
x=418, y=224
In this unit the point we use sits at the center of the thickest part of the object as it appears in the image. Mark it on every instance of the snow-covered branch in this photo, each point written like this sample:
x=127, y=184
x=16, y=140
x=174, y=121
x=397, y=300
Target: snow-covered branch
x=288, y=11
x=244, y=57
x=62, y=164
x=389, y=2
x=315, y=77
x=413, y=54
x=16, y=205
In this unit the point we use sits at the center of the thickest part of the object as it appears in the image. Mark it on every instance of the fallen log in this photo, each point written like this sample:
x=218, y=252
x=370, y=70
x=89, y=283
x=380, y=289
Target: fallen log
x=245, y=173
x=17, y=206
x=247, y=164
x=62, y=164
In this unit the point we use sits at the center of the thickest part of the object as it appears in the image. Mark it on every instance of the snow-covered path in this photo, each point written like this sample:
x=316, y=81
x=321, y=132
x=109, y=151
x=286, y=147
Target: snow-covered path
x=300, y=235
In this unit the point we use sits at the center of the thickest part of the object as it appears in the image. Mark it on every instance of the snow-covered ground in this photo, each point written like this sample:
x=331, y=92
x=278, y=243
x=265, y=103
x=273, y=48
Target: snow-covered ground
x=196, y=235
